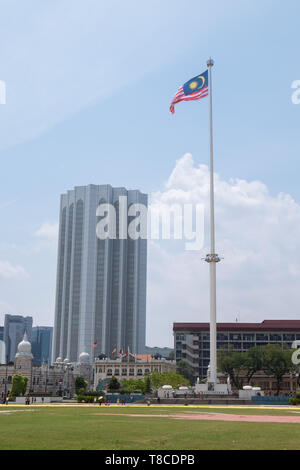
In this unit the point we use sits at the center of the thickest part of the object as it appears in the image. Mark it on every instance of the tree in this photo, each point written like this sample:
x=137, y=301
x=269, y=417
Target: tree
x=253, y=362
x=131, y=386
x=19, y=384
x=113, y=385
x=276, y=362
x=147, y=384
x=184, y=369
x=80, y=385
x=234, y=364
x=167, y=378
x=271, y=359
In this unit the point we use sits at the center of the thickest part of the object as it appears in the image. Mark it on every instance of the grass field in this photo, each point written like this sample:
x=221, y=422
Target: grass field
x=93, y=427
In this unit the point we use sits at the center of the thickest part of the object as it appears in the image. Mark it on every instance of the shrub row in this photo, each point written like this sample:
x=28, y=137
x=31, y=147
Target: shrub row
x=295, y=400
x=94, y=393
x=88, y=398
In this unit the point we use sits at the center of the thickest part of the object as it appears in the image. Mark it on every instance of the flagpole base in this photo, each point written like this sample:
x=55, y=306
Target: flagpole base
x=211, y=388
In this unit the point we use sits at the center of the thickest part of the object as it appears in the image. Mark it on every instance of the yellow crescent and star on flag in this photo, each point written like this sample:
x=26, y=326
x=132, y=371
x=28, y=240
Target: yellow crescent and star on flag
x=196, y=83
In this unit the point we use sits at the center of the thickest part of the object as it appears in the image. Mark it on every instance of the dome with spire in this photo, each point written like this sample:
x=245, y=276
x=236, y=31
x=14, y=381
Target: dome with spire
x=24, y=347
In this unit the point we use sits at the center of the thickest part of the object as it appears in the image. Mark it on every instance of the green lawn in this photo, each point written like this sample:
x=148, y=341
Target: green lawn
x=86, y=427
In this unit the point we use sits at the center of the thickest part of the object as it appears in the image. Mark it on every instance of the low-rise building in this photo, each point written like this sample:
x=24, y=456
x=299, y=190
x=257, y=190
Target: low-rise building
x=130, y=366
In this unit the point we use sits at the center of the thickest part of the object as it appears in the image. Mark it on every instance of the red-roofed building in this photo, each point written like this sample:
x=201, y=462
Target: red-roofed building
x=191, y=340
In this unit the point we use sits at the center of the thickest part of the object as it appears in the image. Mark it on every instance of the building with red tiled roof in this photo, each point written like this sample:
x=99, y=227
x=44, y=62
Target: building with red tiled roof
x=191, y=340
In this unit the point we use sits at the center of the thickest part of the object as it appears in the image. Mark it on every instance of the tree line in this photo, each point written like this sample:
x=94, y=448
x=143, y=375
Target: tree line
x=271, y=359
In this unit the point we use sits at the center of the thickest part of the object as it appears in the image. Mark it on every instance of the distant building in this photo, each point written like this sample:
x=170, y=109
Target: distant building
x=101, y=284
x=14, y=328
x=130, y=366
x=191, y=340
x=42, y=344
x=2, y=352
x=2, y=346
x=164, y=352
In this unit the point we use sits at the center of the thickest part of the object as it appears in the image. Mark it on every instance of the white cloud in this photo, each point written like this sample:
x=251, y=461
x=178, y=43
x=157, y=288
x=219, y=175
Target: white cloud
x=258, y=235
x=47, y=231
x=9, y=271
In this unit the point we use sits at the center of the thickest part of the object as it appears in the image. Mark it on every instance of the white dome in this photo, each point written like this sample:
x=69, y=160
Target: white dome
x=167, y=387
x=24, y=348
x=183, y=388
x=59, y=359
x=247, y=387
x=67, y=360
x=84, y=358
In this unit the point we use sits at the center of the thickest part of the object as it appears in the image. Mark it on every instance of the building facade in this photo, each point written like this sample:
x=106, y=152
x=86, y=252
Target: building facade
x=101, y=283
x=2, y=346
x=130, y=366
x=14, y=328
x=42, y=344
x=191, y=340
x=56, y=380
x=2, y=352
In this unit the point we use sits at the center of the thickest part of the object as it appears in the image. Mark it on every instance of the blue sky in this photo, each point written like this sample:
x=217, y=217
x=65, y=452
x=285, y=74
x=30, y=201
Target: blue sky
x=88, y=91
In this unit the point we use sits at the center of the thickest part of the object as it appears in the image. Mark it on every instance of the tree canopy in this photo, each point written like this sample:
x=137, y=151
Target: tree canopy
x=19, y=384
x=233, y=363
x=131, y=386
x=276, y=362
x=167, y=378
x=80, y=385
x=184, y=369
x=153, y=381
x=241, y=366
x=113, y=385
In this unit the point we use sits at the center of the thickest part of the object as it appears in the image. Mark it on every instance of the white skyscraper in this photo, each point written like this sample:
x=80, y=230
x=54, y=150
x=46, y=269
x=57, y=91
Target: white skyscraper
x=101, y=284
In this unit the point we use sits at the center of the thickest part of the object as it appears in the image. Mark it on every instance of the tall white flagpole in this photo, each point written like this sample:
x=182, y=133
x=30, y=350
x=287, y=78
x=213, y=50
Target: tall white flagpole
x=212, y=258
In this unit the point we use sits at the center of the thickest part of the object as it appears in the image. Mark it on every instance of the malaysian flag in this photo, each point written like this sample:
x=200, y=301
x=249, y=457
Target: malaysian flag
x=194, y=89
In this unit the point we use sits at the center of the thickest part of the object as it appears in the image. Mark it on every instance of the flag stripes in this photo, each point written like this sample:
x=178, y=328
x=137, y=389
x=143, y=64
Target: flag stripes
x=181, y=96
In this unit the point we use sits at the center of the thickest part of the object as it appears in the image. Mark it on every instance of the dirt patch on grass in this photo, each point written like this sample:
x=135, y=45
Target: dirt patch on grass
x=215, y=417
